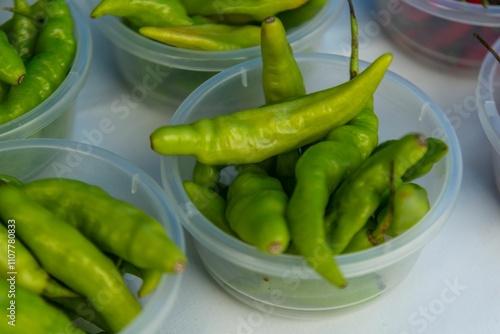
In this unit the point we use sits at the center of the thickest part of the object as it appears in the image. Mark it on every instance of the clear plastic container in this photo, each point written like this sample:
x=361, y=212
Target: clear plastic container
x=488, y=98
x=37, y=158
x=54, y=117
x=440, y=30
x=169, y=74
x=284, y=285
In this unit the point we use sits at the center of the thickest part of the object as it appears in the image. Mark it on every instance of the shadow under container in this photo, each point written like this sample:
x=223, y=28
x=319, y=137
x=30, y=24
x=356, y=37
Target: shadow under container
x=54, y=117
x=488, y=98
x=439, y=30
x=37, y=158
x=284, y=285
x=168, y=74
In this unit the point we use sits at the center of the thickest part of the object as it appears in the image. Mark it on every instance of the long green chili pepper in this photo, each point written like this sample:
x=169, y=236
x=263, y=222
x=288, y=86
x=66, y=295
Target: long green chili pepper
x=246, y=10
x=54, y=53
x=24, y=30
x=145, y=13
x=211, y=205
x=361, y=193
x=114, y=225
x=29, y=274
x=207, y=36
x=256, y=204
x=320, y=170
x=361, y=240
x=437, y=150
x=70, y=257
x=12, y=70
x=253, y=135
x=26, y=312
x=150, y=278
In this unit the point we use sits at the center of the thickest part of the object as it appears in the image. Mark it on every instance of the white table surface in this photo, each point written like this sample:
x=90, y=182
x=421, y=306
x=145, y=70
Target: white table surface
x=454, y=286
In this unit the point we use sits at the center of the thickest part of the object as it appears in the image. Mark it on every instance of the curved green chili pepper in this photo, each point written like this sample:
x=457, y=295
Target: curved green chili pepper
x=211, y=205
x=113, y=225
x=29, y=274
x=255, y=210
x=253, y=135
x=150, y=278
x=362, y=239
x=26, y=312
x=207, y=36
x=145, y=13
x=12, y=70
x=246, y=10
x=320, y=170
x=437, y=150
x=361, y=193
x=54, y=53
x=70, y=257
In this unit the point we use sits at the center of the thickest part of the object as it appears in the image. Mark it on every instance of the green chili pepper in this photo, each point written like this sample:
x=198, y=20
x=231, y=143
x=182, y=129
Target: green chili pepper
x=320, y=170
x=437, y=150
x=295, y=17
x=69, y=257
x=411, y=203
x=145, y=13
x=208, y=36
x=362, y=239
x=253, y=135
x=247, y=10
x=255, y=209
x=26, y=312
x=10, y=179
x=211, y=205
x=113, y=225
x=150, y=278
x=24, y=30
x=29, y=274
x=80, y=308
x=207, y=176
x=12, y=69
x=54, y=53
x=361, y=193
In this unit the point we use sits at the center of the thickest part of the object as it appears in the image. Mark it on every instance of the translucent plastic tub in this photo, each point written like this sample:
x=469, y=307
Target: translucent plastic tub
x=488, y=97
x=168, y=74
x=285, y=285
x=37, y=158
x=54, y=117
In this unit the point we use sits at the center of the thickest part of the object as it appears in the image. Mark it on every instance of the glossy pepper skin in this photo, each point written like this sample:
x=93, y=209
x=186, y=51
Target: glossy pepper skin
x=12, y=69
x=53, y=56
x=32, y=313
x=255, y=209
x=30, y=275
x=114, y=225
x=253, y=135
x=150, y=13
x=70, y=257
x=357, y=198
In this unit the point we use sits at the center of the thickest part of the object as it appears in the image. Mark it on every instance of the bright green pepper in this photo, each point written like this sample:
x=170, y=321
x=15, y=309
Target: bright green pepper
x=24, y=30
x=26, y=312
x=54, y=53
x=255, y=209
x=253, y=135
x=207, y=36
x=12, y=69
x=362, y=239
x=145, y=13
x=69, y=257
x=361, y=193
x=114, y=225
x=295, y=17
x=437, y=150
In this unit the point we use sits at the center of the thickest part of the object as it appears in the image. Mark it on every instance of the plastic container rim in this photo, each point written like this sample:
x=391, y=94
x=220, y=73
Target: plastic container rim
x=351, y=265
x=156, y=309
x=64, y=95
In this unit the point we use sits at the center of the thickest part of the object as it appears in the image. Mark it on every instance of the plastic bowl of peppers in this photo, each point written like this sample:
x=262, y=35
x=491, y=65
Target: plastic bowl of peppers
x=164, y=50
x=96, y=246
x=488, y=97
x=43, y=73
x=441, y=30
x=298, y=207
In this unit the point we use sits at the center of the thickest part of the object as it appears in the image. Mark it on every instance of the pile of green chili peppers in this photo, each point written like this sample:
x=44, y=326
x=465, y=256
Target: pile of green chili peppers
x=73, y=243
x=210, y=25
x=37, y=49
x=311, y=178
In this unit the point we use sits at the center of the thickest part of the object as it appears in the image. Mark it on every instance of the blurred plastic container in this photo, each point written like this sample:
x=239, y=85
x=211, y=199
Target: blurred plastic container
x=284, y=285
x=37, y=158
x=54, y=117
x=169, y=74
x=488, y=97
x=440, y=30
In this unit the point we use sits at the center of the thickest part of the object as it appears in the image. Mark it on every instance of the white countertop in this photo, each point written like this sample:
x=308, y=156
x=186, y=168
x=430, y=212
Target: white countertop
x=454, y=286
